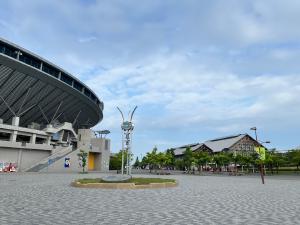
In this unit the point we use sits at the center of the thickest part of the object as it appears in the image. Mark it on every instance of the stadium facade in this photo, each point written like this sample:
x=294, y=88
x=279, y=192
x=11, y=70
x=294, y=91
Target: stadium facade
x=46, y=115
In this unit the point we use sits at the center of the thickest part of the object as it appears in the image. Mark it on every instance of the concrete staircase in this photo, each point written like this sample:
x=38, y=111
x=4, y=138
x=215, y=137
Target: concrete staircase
x=50, y=160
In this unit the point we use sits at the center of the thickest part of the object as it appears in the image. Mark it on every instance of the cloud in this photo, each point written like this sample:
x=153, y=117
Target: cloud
x=194, y=68
x=185, y=94
x=87, y=39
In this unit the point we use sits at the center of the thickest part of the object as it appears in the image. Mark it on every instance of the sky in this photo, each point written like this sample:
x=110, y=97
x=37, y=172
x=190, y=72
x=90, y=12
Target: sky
x=196, y=69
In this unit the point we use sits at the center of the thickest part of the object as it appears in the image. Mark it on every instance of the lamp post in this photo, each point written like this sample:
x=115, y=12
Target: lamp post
x=261, y=161
x=127, y=129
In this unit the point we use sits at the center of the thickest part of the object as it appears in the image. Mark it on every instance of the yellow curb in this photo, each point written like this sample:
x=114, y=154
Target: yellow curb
x=124, y=185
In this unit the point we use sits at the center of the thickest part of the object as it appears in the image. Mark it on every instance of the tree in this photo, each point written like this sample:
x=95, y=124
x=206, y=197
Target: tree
x=82, y=156
x=279, y=160
x=221, y=159
x=116, y=160
x=170, y=158
x=241, y=160
x=152, y=159
x=294, y=156
x=137, y=162
x=188, y=158
x=248, y=160
x=269, y=160
x=179, y=164
x=201, y=159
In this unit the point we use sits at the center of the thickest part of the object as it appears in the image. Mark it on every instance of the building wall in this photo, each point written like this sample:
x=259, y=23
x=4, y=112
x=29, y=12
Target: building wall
x=101, y=146
x=244, y=146
x=98, y=160
x=26, y=155
x=23, y=157
x=30, y=157
x=59, y=165
x=84, y=139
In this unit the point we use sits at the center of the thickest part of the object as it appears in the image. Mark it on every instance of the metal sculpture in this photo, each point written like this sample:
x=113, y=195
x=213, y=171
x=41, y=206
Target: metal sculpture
x=127, y=130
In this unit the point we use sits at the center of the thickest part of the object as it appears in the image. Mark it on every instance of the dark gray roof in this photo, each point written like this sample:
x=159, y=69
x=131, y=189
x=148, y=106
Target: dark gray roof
x=180, y=150
x=219, y=144
x=216, y=145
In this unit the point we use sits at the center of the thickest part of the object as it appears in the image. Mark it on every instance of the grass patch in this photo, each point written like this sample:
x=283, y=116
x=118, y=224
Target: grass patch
x=90, y=180
x=136, y=180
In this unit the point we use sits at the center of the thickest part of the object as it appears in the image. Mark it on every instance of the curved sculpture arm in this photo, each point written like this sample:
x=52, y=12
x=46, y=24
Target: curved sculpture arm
x=121, y=113
x=132, y=113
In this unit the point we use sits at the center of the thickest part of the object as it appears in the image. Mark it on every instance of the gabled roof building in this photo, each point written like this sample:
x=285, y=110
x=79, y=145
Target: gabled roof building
x=241, y=144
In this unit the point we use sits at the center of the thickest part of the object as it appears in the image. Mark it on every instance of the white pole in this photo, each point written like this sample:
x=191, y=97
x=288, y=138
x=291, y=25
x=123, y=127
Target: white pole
x=130, y=152
x=127, y=148
x=122, y=168
x=127, y=166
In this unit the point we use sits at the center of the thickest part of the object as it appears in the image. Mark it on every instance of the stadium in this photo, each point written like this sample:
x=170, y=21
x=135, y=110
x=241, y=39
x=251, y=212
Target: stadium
x=46, y=115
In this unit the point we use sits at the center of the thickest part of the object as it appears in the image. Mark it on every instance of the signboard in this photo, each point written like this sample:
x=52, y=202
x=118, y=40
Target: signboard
x=261, y=151
x=50, y=161
x=67, y=162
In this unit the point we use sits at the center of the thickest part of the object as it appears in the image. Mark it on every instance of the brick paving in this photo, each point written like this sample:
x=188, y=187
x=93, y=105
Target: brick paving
x=48, y=199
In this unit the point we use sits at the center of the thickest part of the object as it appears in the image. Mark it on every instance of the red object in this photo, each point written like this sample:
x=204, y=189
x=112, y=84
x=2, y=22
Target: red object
x=10, y=168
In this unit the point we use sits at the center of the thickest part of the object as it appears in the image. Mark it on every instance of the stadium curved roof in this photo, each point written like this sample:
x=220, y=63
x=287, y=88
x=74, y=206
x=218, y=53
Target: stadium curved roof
x=32, y=85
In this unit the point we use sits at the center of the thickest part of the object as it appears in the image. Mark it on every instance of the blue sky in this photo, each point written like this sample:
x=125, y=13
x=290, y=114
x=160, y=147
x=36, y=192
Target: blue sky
x=196, y=69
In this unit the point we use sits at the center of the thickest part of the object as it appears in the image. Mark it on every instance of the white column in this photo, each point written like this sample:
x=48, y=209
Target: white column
x=13, y=136
x=15, y=121
x=48, y=140
x=19, y=160
x=33, y=139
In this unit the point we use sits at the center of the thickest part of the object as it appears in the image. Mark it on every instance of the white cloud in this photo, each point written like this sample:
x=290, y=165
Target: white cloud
x=214, y=65
x=87, y=39
x=185, y=94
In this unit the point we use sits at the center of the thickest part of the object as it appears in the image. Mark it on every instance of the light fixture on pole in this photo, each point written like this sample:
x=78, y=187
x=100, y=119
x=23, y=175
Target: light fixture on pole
x=259, y=147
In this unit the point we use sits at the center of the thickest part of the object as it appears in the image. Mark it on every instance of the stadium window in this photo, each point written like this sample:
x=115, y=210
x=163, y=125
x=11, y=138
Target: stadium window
x=93, y=97
x=8, y=50
x=23, y=138
x=4, y=136
x=30, y=60
x=67, y=79
x=77, y=86
x=2, y=48
x=87, y=92
x=50, y=70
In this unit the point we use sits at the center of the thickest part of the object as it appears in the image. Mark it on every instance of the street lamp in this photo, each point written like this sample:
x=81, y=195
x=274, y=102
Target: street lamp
x=261, y=162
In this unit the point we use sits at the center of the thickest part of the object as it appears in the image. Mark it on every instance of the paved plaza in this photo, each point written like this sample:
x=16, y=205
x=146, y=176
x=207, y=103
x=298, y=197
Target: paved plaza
x=48, y=199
